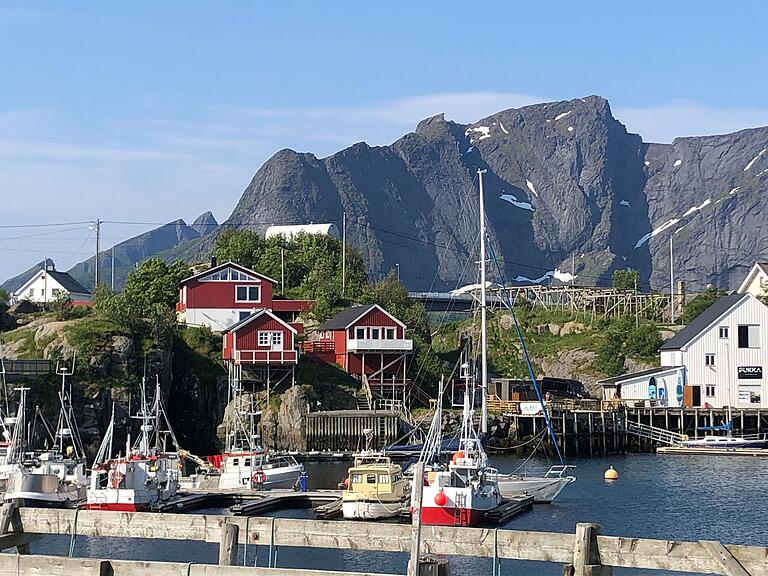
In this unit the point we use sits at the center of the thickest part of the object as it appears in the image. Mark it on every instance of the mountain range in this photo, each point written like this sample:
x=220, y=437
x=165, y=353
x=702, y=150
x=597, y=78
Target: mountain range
x=568, y=190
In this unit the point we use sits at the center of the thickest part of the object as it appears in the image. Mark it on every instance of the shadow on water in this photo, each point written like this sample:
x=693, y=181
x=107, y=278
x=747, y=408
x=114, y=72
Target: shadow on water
x=657, y=496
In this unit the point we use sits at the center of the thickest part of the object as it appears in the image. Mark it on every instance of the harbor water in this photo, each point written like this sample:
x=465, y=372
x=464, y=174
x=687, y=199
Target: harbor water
x=656, y=496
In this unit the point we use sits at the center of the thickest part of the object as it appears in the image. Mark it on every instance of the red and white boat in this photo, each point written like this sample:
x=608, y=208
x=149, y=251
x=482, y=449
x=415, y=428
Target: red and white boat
x=462, y=493
x=146, y=476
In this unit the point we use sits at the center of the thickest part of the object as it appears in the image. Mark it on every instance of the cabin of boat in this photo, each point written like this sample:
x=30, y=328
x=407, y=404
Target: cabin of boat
x=258, y=470
x=375, y=488
x=133, y=484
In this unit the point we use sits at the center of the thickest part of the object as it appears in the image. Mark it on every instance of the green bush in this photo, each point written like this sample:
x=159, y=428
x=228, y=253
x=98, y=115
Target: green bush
x=701, y=303
x=628, y=279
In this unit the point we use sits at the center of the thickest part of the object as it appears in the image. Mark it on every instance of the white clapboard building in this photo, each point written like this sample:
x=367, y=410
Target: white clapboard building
x=48, y=284
x=756, y=280
x=717, y=360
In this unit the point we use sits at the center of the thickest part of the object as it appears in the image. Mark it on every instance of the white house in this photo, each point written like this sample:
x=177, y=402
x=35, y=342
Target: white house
x=756, y=281
x=290, y=231
x=47, y=284
x=716, y=360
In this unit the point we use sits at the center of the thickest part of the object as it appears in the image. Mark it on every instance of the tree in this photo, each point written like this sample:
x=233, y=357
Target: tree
x=701, y=302
x=312, y=265
x=155, y=282
x=4, y=297
x=628, y=279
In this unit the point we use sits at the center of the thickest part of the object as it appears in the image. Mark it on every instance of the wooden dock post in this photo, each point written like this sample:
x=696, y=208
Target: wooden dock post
x=228, y=544
x=586, y=555
x=418, y=489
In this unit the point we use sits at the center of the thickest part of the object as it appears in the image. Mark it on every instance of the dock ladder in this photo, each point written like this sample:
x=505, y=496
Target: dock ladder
x=659, y=435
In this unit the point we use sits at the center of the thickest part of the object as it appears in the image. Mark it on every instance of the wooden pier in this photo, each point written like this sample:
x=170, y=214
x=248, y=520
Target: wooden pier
x=587, y=552
x=594, y=428
x=342, y=430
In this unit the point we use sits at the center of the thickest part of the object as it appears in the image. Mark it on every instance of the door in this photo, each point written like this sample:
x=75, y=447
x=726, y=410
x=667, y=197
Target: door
x=691, y=396
x=277, y=341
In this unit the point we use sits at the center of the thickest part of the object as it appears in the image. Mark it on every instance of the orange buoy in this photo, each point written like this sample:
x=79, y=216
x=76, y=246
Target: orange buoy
x=440, y=499
x=457, y=455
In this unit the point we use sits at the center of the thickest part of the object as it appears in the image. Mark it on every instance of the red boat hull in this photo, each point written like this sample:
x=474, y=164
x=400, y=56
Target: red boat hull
x=448, y=516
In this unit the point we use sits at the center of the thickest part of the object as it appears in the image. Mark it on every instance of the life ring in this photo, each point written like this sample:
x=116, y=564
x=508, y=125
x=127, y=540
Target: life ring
x=117, y=479
x=259, y=477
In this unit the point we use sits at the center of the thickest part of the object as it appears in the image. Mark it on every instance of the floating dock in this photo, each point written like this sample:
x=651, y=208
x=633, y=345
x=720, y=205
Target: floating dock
x=712, y=451
x=277, y=500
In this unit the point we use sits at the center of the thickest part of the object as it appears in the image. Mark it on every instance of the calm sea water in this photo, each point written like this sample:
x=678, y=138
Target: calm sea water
x=657, y=496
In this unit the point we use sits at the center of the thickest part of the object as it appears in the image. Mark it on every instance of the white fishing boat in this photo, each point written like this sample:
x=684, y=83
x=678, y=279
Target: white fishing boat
x=728, y=442
x=52, y=478
x=544, y=488
x=244, y=464
x=147, y=475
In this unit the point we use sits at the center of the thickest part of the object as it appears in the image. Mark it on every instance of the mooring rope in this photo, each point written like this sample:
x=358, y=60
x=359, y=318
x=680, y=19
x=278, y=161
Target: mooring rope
x=496, y=562
x=271, y=542
x=73, y=535
x=247, y=537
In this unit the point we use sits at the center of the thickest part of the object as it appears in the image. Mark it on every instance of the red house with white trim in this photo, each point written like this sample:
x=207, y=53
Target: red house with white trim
x=227, y=293
x=367, y=342
x=261, y=347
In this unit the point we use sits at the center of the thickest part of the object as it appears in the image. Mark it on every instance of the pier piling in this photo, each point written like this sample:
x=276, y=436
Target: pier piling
x=228, y=544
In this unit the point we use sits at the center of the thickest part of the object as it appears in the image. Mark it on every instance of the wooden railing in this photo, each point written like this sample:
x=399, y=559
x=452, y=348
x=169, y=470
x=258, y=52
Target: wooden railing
x=585, y=552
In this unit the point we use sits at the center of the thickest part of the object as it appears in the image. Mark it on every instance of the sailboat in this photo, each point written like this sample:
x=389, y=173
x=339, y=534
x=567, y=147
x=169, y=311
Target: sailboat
x=729, y=441
x=51, y=478
x=547, y=487
x=244, y=463
x=147, y=475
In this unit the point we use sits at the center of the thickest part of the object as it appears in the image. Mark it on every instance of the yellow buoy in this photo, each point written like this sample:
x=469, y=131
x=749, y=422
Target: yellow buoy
x=611, y=474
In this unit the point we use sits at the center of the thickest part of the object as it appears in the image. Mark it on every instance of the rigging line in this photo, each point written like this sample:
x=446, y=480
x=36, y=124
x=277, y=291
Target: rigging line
x=528, y=361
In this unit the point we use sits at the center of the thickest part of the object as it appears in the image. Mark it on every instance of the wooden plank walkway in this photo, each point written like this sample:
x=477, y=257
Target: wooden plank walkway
x=612, y=551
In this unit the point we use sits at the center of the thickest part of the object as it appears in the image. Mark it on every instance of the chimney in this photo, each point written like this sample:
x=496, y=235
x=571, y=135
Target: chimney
x=214, y=262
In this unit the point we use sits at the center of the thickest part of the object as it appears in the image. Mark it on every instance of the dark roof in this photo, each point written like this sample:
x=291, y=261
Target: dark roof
x=253, y=316
x=346, y=317
x=649, y=372
x=703, y=320
x=67, y=282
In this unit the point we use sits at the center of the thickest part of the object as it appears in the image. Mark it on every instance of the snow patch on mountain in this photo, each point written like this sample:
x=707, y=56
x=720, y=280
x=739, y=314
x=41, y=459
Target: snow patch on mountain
x=514, y=201
x=699, y=207
x=656, y=231
x=501, y=125
x=624, y=203
x=484, y=131
x=563, y=115
x=531, y=187
x=755, y=159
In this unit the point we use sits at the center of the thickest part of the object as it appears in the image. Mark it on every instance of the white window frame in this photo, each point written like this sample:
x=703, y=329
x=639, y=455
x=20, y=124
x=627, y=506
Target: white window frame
x=228, y=275
x=709, y=360
x=357, y=334
x=390, y=330
x=248, y=288
x=710, y=388
x=377, y=332
x=752, y=330
x=270, y=338
x=723, y=332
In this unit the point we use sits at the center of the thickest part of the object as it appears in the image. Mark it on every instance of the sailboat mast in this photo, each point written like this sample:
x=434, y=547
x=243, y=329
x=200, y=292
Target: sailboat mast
x=483, y=319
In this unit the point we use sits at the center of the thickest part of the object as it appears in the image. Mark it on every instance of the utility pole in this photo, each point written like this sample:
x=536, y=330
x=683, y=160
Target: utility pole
x=113, y=268
x=282, y=270
x=343, y=254
x=97, y=227
x=483, y=319
x=671, y=282
x=397, y=267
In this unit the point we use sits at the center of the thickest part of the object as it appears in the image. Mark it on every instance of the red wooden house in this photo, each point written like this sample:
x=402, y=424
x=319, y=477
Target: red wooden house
x=261, y=347
x=367, y=342
x=225, y=294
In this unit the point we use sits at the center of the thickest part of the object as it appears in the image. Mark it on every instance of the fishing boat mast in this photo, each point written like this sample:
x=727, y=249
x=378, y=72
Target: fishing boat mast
x=483, y=319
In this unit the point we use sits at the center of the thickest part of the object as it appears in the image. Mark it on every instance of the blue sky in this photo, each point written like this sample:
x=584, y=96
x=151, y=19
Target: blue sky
x=150, y=111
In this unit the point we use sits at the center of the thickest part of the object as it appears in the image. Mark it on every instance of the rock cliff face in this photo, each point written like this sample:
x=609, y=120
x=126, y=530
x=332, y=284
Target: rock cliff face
x=567, y=189
x=566, y=186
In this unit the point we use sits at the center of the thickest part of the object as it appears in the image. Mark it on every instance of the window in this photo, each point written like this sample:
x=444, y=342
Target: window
x=243, y=315
x=247, y=463
x=236, y=462
x=389, y=333
x=375, y=333
x=357, y=478
x=723, y=331
x=749, y=336
x=42, y=291
x=709, y=359
x=370, y=478
x=383, y=478
x=227, y=275
x=247, y=293
x=709, y=390
x=360, y=333
x=271, y=339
